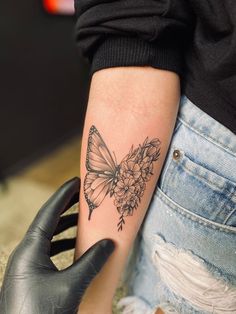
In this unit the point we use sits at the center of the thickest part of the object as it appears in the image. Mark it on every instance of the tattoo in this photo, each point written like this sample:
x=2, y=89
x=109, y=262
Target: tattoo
x=126, y=181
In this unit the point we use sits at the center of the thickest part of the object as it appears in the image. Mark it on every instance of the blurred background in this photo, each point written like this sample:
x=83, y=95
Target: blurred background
x=43, y=97
x=44, y=85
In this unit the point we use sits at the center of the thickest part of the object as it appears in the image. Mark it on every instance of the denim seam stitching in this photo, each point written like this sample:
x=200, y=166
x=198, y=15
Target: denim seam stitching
x=212, y=185
x=229, y=215
x=193, y=216
x=233, y=210
x=178, y=125
x=164, y=179
x=209, y=138
x=202, y=178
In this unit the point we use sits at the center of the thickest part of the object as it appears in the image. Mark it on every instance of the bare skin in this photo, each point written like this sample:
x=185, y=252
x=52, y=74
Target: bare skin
x=128, y=107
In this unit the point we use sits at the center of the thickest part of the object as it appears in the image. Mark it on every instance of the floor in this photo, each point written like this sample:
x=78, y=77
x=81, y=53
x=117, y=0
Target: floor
x=22, y=195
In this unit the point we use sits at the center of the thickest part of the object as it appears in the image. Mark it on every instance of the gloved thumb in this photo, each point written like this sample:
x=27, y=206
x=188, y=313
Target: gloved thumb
x=90, y=263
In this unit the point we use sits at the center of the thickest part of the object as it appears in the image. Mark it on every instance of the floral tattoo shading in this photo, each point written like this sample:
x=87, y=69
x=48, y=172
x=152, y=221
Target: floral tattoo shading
x=126, y=181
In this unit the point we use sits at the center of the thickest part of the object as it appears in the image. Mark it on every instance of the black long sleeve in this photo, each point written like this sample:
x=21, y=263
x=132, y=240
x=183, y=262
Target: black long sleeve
x=133, y=32
x=194, y=38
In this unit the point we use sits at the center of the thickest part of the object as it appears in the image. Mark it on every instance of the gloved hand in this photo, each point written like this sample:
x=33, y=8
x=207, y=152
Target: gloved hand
x=32, y=283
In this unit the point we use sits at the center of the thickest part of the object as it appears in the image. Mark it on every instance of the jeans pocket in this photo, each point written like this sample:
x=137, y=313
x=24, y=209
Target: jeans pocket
x=199, y=189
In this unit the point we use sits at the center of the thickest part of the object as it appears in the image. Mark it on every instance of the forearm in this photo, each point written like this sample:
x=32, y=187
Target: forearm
x=126, y=105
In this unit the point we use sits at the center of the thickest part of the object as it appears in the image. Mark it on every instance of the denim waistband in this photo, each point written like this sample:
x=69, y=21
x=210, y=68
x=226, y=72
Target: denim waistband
x=206, y=126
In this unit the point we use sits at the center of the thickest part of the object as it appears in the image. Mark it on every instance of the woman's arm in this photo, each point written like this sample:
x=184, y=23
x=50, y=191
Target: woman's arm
x=120, y=166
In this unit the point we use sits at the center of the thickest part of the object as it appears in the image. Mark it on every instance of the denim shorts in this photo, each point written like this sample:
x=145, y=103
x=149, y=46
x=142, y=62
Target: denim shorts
x=184, y=257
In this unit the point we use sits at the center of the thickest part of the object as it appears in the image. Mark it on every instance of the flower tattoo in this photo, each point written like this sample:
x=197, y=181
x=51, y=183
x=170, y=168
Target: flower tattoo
x=126, y=181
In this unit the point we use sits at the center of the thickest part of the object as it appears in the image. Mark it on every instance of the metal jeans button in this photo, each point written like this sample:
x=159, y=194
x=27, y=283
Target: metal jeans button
x=176, y=154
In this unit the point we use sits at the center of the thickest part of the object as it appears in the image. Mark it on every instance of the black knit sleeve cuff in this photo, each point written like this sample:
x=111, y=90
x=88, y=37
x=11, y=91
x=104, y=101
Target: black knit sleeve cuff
x=132, y=51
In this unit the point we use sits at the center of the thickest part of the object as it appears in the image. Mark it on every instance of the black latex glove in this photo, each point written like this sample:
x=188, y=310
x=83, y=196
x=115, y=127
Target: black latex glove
x=32, y=283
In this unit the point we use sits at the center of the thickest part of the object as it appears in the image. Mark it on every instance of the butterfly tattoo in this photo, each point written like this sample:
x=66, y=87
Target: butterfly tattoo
x=125, y=181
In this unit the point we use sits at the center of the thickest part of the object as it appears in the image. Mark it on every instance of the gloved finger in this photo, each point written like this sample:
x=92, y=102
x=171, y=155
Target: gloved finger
x=80, y=274
x=63, y=245
x=73, y=201
x=48, y=216
x=66, y=222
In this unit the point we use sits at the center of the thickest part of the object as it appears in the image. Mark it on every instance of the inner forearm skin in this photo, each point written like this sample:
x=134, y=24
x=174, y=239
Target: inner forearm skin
x=128, y=127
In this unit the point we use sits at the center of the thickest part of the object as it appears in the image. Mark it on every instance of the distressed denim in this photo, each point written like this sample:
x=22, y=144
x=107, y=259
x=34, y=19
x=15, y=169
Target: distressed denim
x=184, y=257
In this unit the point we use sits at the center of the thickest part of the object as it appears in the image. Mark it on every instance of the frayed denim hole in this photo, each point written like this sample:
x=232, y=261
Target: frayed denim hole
x=187, y=276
